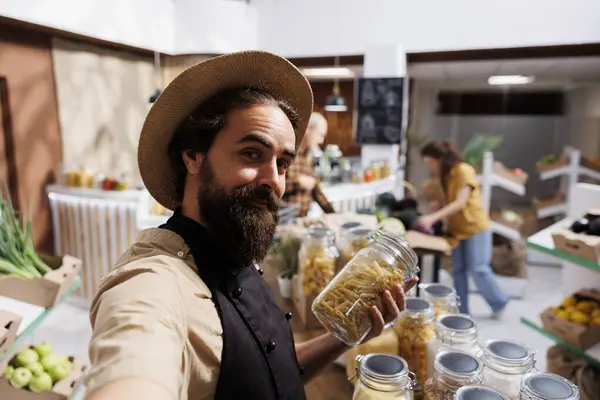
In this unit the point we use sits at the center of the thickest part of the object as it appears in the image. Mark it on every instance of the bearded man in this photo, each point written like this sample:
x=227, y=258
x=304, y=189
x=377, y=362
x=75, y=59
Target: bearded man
x=185, y=313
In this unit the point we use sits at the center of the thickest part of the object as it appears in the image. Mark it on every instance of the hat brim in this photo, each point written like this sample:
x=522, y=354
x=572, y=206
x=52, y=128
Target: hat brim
x=247, y=69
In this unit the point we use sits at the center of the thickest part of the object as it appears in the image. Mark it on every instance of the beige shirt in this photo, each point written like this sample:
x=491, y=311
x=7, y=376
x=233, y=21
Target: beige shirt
x=153, y=318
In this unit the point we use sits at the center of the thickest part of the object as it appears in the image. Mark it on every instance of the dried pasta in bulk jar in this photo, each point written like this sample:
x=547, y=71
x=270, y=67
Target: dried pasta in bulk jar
x=452, y=332
x=453, y=370
x=354, y=241
x=415, y=328
x=478, y=392
x=343, y=308
x=443, y=298
x=546, y=386
x=317, y=258
x=505, y=364
x=343, y=242
x=383, y=377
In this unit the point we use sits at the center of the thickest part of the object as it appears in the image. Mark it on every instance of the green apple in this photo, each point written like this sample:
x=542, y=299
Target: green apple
x=43, y=349
x=21, y=377
x=50, y=361
x=60, y=371
x=40, y=383
x=36, y=368
x=26, y=357
x=8, y=372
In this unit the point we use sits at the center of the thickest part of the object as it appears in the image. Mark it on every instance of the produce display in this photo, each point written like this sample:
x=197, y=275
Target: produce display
x=579, y=310
x=85, y=179
x=37, y=368
x=477, y=147
x=344, y=306
x=589, y=224
x=393, y=226
x=549, y=159
x=17, y=255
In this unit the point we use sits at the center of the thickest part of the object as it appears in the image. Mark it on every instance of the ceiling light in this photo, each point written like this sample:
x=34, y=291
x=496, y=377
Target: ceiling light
x=335, y=102
x=510, y=80
x=328, y=72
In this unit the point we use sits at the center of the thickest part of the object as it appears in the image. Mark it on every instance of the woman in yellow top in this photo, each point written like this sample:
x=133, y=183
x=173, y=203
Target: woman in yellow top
x=468, y=224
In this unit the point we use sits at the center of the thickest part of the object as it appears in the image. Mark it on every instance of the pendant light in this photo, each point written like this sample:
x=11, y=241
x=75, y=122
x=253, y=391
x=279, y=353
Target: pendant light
x=335, y=102
x=158, y=78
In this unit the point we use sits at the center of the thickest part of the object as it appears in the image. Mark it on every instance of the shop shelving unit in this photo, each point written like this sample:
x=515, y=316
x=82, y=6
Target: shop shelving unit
x=577, y=272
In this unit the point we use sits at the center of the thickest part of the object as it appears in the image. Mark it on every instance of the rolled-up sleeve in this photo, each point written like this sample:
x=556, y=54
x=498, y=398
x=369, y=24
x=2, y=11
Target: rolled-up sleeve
x=139, y=330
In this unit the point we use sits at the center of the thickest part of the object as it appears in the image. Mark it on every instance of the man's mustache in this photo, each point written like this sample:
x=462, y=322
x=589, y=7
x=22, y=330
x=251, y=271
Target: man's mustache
x=247, y=194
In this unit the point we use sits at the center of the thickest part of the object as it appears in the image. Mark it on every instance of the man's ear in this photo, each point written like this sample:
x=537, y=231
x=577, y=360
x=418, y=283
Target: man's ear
x=192, y=161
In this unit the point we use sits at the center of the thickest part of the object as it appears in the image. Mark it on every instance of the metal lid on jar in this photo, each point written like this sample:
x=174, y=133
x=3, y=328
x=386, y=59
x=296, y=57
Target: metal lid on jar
x=506, y=353
x=383, y=369
x=360, y=232
x=478, y=393
x=350, y=225
x=319, y=232
x=543, y=385
x=438, y=290
x=456, y=328
x=458, y=363
x=420, y=307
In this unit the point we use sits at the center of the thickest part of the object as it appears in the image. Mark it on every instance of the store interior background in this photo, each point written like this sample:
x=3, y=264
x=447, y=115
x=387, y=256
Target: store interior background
x=76, y=75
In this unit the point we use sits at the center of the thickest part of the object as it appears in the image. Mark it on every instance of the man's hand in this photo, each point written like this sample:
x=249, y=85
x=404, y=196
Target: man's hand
x=307, y=182
x=393, y=304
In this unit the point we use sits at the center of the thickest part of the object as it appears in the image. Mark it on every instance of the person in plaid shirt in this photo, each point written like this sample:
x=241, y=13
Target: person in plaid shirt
x=302, y=187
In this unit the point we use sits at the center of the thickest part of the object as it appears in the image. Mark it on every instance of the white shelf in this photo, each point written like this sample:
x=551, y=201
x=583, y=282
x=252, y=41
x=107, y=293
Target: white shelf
x=543, y=238
x=554, y=173
x=552, y=211
x=590, y=173
x=508, y=184
x=506, y=231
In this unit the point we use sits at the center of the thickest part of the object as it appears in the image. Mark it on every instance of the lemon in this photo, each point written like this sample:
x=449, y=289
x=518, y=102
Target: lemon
x=580, y=318
x=569, y=301
x=596, y=321
x=596, y=314
x=564, y=314
x=555, y=310
x=585, y=306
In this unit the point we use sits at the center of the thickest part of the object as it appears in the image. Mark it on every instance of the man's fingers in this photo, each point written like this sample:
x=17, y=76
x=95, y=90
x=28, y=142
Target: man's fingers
x=400, y=296
x=410, y=283
x=378, y=322
x=391, y=306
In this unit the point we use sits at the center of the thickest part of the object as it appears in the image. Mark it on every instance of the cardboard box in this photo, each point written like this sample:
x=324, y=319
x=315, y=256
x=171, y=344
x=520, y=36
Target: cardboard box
x=543, y=167
x=584, y=246
x=501, y=170
x=542, y=202
x=427, y=243
x=9, y=324
x=62, y=390
x=578, y=335
x=45, y=291
x=303, y=306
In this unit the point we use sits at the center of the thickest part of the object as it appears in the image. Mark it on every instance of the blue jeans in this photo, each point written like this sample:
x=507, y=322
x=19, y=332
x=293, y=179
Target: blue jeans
x=473, y=256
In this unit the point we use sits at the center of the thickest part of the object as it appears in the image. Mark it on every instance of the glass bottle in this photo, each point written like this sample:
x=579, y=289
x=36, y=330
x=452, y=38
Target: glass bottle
x=382, y=377
x=453, y=370
x=443, y=298
x=317, y=258
x=505, y=364
x=546, y=386
x=452, y=332
x=415, y=328
x=344, y=306
x=478, y=392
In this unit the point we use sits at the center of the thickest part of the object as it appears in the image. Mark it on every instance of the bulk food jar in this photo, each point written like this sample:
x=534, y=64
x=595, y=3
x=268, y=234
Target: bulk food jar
x=546, y=386
x=383, y=377
x=344, y=306
x=415, y=328
x=505, y=363
x=453, y=370
x=443, y=298
x=317, y=258
x=352, y=241
x=452, y=332
x=478, y=393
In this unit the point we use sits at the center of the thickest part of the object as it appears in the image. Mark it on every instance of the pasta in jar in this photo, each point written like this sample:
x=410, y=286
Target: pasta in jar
x=443, y=298
x=453, y=370
x=317, y=256
x=343, y=307
x=415, y=329
x=354, y=241
x=382, y=377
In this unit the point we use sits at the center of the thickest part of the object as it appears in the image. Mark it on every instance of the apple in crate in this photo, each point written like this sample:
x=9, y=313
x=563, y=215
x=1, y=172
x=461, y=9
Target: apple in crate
x=8, y=372
x=40, y=383
x=36, y=368
x=26, y=357
x=60, y=370
x=21, y=378
x=43, y=349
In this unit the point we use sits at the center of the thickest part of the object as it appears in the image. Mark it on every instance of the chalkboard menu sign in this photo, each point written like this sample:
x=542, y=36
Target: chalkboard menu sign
x=379, y=110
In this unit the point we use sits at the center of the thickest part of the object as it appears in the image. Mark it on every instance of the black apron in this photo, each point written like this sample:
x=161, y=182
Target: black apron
x=258, y=359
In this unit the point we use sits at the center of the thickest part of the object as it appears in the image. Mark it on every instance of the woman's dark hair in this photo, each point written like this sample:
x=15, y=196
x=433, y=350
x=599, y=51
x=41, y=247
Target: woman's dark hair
x=199, y=130
x=445, y=152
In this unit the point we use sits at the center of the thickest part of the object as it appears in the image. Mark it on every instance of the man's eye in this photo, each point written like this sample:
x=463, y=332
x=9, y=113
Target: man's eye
x=283, y=164
x=251, y=155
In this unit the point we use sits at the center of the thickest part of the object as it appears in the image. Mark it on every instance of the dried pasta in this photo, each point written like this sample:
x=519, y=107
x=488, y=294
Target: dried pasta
x=317, y=268
x=344, y=306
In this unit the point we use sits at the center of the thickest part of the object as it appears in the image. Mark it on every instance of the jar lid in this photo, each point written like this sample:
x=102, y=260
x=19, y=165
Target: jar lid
x=549, y=386
x=438, y=290
x=478, y=393
x=384, y=369
x=350, y=225
x=457, y=363
x=456, y=328
x=457, y=322
x=319, y=232
x=361, y=232
x=508, y=351
x=416, y=306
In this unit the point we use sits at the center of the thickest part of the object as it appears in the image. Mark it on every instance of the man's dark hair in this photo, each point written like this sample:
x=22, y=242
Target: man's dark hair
x=198, y=131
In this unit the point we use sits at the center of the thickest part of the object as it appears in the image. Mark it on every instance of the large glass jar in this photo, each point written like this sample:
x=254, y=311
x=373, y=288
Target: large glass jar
x=352, y=241
x=453, y=370
x=546, y=386
x=505, y=364
x=383, y=377
x=452, y=332
x=478, y=393
x=344, y=306
x=443, y=298
x=317, y=258
x=415, y=328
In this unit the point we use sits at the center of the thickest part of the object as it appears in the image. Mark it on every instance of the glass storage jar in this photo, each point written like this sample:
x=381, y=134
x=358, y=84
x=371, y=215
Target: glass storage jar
x=546, y=386
x=352, y=241
x=505, y=363
x=452, y=332
x=453, y=370
x=478, y=393
x=443, y=298
x=317, y=258
x=343, y=308
x=383, y=377
x=415, y=328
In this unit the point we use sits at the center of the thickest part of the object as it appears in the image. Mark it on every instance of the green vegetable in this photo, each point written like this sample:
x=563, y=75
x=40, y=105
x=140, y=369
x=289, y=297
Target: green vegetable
x=475, y=149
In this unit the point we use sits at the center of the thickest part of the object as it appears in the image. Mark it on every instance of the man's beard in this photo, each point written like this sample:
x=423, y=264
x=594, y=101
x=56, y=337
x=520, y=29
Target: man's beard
x=244, y=230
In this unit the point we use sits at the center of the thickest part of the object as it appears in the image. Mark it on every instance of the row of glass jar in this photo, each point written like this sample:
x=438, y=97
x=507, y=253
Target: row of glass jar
x=458, y=375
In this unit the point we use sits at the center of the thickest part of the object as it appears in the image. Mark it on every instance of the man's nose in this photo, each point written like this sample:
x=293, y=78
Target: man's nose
x=269, y=175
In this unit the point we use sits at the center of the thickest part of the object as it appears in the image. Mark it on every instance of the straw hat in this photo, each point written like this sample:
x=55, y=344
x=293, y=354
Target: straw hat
x=247, y=69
